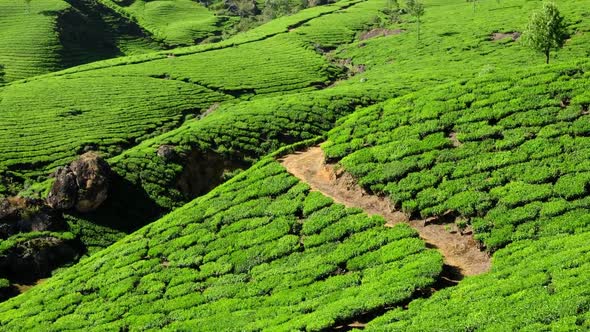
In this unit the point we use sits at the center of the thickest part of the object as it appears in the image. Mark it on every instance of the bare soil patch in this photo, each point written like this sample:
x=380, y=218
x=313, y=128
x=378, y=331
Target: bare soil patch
x=25, y=287
x=380, y=32
x=455, y=140
x=501, y=35
x=459, y=249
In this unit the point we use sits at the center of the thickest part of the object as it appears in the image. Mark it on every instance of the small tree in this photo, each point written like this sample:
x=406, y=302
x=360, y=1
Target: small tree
x=242, y=8
x=1, y=74
x=415, y=9
x=276, y=8
x=475, y=3
x=546, y=30
x=393, y=11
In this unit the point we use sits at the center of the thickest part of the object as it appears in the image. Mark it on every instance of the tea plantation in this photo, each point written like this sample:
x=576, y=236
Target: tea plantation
x=446, y=115
x=534, y=286
x=42, y=36
x=34, y=53
x=178, y=22
x=260, y=252
x=115, y=112
x=508, y=153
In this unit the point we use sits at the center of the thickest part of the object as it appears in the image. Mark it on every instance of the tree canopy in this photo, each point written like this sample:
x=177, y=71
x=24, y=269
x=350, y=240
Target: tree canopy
x=546, y=30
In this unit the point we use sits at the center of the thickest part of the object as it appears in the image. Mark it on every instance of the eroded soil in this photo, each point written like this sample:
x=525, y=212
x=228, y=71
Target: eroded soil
x=460, y=250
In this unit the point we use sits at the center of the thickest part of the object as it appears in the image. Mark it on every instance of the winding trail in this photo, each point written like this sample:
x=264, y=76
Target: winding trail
x=460, y=252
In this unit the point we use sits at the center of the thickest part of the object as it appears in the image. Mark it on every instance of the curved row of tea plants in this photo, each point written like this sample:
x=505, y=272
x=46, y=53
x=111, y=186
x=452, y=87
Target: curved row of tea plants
x=28, y=45
x=236, y=134
x=39, y=37
x=176, y=22
x=47, y=122
x=537, y=285
x=275, y=27
x=509, y=152
x=259, y=252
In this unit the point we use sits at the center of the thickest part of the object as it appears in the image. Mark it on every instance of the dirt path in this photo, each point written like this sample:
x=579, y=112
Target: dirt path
x=459, y=251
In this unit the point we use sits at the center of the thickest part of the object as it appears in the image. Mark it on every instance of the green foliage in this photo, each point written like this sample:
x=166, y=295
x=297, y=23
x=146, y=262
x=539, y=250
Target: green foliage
x=495, y=140
x=38, y=52
x=43, y=36
x=416, y=9
x=534, y=286
x=241, y=257
x=4, y=283
x=509, y=150
x=175, y=23
x=240, y=132
x=546, y=30
x=139, y=101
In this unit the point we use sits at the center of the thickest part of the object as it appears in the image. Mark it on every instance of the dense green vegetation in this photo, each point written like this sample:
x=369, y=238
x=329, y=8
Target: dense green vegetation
x=457, y=43
x=42, y=36
x=508, y=152
x=534, y=286
x=184, y=83
x=217, y=132
x=104, y=114
x=176, y=22
x=109, y=109
x=234, y=134
x=260, y=251
x=458, y=119
x=35, y=52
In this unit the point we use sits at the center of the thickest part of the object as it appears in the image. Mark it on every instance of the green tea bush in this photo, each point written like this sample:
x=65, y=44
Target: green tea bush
x=534, y=285
x=177, y=22
x=504, y=164
x=227, y=261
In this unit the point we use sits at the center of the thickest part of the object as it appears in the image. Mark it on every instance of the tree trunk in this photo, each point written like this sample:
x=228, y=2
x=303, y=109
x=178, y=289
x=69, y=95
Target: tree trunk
x=418, y=28
x=547, y=56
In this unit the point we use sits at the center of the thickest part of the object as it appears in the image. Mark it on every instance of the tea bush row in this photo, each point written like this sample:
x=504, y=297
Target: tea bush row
x=533, y=286
x=485, y=148
x=242, y=257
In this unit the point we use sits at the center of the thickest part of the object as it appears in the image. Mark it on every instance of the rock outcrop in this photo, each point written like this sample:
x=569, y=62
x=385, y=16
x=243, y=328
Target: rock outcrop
x=36, y=258
x=167, y=153
x=82, y=185
x=33, y=258
x=23, y=215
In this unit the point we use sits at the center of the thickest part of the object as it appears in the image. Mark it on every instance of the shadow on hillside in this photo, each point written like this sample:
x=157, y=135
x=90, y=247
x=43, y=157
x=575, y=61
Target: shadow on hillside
x=449, y=277
x=90, y=32
x=127, y=208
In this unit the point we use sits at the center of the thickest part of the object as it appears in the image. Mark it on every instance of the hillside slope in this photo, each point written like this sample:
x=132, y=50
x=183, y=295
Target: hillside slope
x=175, y=23
x=464, y=129
x=185, y=82
x=534, y=286
x=39, y=37
x=505, y=154
x=259, y=252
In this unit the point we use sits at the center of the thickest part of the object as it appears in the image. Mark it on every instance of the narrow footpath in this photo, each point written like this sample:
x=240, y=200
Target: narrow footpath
x=460, y=252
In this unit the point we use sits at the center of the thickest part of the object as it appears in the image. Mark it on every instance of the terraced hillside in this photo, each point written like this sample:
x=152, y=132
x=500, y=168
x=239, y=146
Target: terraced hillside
x=185, y=82
x=260, y=252
x=178, y=22
x=39, y=37
x=179, y=86
x=465, y=155
x=503, y=154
